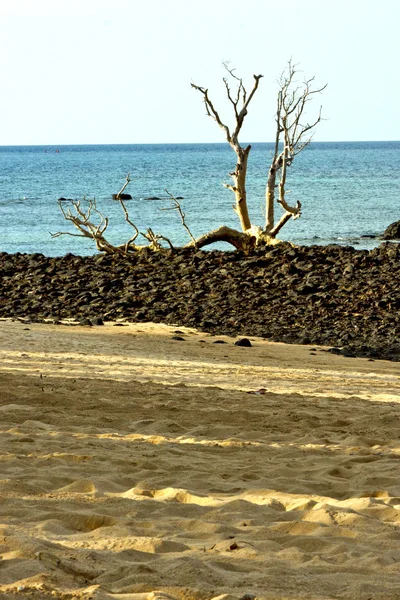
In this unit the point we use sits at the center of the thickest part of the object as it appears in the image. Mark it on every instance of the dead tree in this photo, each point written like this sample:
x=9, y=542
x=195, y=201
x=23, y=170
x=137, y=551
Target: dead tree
x=92, y=224
x=292, y=136
x=240, y=102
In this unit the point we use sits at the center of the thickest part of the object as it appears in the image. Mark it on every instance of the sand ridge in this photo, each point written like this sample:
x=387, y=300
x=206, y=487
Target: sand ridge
x=136, y=466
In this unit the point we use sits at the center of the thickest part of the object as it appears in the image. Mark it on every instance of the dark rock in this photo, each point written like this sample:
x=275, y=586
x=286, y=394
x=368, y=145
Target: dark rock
x=206, y=324
x=85, y=322
x=348, y=352
x=244, y=342
x=392, y=232
x=178, y=338
x=330, y=296
x=122, y=197
x=97, y=321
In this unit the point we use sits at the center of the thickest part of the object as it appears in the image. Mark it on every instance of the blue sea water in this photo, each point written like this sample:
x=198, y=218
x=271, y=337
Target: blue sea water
x=347, y=190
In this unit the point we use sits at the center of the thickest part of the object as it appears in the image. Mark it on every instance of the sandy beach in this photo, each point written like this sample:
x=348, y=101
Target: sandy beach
x=136, y=466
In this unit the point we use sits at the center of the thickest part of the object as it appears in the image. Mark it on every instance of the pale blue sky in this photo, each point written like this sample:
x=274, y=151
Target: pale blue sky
x=99, y=71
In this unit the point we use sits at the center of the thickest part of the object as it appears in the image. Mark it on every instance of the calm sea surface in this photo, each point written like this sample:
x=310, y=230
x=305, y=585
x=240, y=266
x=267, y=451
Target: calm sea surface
x=347, y=190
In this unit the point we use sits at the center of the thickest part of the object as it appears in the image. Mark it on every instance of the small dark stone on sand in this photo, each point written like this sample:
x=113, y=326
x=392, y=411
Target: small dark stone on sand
x=85, y=322
x=349, y=353
x=244, y=342
x=97, y=321
x=220, y=342
x=334, y=351
x=140, y=315
x=178, y=338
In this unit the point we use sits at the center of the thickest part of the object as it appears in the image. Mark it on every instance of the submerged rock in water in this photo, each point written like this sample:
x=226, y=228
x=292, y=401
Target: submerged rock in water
x=122, y=197
x=392, y=232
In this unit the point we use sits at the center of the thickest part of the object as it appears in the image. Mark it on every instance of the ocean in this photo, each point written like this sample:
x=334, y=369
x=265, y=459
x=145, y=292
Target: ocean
x=348, y=190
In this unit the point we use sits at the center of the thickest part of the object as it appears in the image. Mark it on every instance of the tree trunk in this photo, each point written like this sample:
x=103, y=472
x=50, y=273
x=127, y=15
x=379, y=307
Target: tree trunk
x=241, y=241
x=239, y=187
x=269, y=199
x=282, y=221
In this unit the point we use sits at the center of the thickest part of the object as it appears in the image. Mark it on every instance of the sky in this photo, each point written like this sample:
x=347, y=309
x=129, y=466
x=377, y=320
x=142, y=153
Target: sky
x=119, y=71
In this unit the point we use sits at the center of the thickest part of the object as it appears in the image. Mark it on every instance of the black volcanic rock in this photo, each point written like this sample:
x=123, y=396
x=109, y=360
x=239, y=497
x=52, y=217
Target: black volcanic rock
x=122, y=197
x=392, y=232
x=334, y=296
x=245, y=342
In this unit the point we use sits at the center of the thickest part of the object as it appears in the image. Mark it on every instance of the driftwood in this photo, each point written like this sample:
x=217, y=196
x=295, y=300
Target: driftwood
x=91, y=223
x=83, y=220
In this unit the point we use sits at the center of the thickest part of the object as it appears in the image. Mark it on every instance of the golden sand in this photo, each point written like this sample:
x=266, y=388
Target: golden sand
x=135, y=466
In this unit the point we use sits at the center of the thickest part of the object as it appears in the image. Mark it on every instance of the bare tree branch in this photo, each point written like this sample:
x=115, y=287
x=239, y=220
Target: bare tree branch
x=238, y=239
x=87, y=228
x=80, y=218
x=154, y=239
x=83, y=222
x=292, y=136
x=182, y=215
x=211, y=111
x=240, y=102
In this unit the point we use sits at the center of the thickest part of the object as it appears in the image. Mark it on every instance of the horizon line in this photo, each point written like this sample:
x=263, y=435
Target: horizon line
x=41, y=145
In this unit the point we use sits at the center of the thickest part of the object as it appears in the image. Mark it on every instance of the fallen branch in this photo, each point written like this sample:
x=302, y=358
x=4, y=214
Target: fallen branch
x=83, y=221
x=121, y=195
x=238, y=239
x=154, y=239
x=178, y=207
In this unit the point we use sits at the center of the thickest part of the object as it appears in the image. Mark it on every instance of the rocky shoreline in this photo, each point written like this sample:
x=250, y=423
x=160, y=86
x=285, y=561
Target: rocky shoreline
x=325, y=295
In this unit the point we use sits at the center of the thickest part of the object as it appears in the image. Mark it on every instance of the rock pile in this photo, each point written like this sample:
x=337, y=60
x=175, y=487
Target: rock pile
x=392, y=232
x=331, y=295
